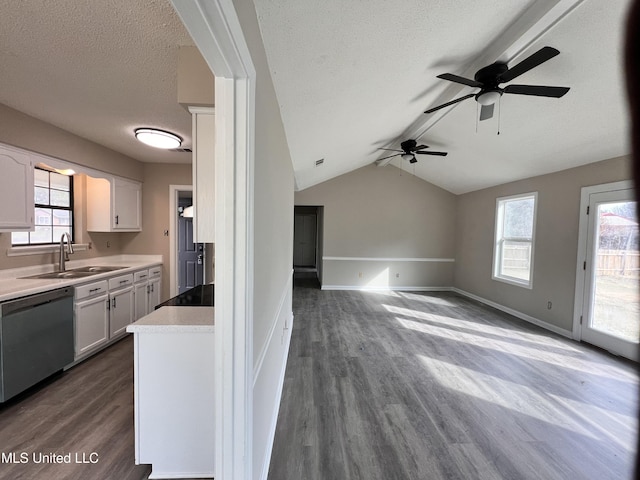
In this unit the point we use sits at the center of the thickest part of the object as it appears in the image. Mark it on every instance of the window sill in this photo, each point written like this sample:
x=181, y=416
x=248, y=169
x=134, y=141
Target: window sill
x=40, y=249
x=513, y=281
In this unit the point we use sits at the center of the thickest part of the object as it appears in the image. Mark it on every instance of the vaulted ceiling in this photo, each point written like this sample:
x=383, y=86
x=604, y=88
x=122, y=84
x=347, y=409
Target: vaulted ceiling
x=355, y=76
x=351, y=77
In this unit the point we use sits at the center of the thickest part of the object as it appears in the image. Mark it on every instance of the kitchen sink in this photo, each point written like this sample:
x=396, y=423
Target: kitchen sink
x=96, y=269
x=67, y=274
x=79, y=272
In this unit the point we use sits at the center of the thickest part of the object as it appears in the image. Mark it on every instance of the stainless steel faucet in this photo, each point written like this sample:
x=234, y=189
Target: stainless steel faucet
x=64, y=255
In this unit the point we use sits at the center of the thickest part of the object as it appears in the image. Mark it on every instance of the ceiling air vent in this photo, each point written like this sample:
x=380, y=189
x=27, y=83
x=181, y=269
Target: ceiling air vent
x=183, y=150
x=319, y=162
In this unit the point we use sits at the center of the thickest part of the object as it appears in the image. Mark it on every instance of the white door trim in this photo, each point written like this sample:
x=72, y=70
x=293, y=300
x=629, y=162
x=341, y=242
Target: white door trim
x=583, y=232
x=216, y=31
x=174, y=191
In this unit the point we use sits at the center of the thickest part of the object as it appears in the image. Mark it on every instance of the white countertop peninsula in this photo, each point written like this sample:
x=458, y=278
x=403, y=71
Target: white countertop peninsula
x=176, y=320
x=174, y=391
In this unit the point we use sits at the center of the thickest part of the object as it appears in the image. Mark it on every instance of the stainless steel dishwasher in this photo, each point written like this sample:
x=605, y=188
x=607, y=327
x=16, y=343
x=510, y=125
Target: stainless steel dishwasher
x=36, y=339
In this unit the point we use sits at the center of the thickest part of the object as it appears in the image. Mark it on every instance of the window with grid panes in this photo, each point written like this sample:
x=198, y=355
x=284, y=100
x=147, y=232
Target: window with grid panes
x=53, y=210
x=514, y=239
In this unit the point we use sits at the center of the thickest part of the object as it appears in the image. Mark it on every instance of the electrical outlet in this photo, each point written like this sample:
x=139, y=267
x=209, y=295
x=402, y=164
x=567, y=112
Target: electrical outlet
x=108, y=244
x=360, y=275
x=549, y=304
x=397, y=275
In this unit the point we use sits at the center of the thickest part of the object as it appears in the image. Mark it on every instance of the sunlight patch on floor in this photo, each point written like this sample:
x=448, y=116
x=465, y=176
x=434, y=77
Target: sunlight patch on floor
x=589, y=414
x=508, y=395
x=427, y=299
x=505, y=347
x=476, y=326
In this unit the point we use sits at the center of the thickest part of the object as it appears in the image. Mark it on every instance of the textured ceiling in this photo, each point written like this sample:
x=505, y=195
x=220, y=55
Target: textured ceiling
x=97, y=69
x=354, y=76
x=350, y=77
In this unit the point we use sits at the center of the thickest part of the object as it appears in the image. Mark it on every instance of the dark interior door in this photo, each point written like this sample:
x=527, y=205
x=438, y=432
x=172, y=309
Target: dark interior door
x=304, y=243
x=190, y=257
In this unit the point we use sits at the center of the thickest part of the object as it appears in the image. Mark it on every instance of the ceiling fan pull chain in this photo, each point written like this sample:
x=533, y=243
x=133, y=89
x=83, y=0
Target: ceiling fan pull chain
x=477, y=115
x=499, y=112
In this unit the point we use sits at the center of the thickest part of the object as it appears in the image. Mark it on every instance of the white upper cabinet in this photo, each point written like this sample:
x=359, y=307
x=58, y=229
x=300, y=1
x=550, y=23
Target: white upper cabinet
x=16, y=190
x=203, y=168
x=114, y=205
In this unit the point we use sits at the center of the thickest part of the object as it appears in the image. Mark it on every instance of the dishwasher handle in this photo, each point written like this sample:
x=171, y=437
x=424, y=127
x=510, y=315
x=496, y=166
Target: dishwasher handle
x=32, y=301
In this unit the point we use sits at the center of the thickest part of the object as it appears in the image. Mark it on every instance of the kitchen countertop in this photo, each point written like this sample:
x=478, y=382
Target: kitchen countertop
x=12, y=286
x=176, y=320
x=199, y=296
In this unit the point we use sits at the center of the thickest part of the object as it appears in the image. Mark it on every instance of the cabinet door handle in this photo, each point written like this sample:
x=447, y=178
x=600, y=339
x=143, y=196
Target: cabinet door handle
x=108, y=304
x=117, y=219
x=91, y=290
x=123, y=281
x=148, y=289
x=114, y=302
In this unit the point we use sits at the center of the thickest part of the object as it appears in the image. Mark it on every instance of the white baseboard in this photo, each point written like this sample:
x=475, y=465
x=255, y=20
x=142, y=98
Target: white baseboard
x=272, y=362
x=516, y=313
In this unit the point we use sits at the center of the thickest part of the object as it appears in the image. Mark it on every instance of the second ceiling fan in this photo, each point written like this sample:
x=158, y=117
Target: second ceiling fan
x=489, y=78
x=410, y=149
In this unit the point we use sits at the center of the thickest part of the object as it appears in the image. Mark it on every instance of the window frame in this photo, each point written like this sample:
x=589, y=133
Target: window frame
x=499, y=240
x=70, y=209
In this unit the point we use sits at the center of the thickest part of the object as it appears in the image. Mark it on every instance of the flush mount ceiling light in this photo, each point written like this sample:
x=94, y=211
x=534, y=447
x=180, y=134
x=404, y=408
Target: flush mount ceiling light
x=158, y=138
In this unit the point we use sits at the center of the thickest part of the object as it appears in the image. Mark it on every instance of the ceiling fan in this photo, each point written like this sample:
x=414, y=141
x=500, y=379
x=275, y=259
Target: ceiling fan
x=410, y=149
x=489, y=78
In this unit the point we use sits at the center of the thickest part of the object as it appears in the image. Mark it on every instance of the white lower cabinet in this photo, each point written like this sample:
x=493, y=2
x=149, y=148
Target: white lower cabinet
x=102, y=309
x=121, y=310
x=91, y=317
x=154, y=293
x=141, y=299
x=147, y=288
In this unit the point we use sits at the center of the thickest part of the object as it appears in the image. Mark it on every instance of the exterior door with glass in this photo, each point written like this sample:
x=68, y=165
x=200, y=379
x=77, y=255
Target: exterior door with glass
x=610, y=298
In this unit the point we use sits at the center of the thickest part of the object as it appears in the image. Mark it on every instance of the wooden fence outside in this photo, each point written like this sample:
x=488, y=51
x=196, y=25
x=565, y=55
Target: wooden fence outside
x=618, y=262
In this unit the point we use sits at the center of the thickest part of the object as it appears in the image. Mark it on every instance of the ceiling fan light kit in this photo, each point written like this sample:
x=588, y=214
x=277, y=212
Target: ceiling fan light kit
x=489, y=78
x=489, y=97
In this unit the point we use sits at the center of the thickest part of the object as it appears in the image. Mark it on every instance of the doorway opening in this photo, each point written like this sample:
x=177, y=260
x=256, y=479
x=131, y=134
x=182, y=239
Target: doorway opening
x=307, y=243
x=191, y=255
x=191, y=264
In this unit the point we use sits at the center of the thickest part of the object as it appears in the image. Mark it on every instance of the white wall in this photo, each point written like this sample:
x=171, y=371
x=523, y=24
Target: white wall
x=401, y=225
x=273, y=248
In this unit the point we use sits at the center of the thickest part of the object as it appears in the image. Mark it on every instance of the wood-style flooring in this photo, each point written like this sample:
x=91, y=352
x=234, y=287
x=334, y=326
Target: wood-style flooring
x=88, y=409
x=433, y=386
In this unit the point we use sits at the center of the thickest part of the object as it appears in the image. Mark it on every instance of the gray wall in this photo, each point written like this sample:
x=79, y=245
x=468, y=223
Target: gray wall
x=384, y=213
x=556, y=241
x=273, y=246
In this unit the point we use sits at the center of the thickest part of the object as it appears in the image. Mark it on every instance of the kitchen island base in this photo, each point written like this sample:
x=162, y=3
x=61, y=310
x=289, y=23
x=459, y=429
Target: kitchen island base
x=174, y=392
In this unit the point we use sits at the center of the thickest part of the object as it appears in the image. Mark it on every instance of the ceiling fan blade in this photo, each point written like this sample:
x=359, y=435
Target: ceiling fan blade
x=537, y=90
x=391, y=150
x=431, y=110
x=384, y=158
x=532, y=61
x=440, y=154
x=457, y=79
x=486, y=112
x=421, y=147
